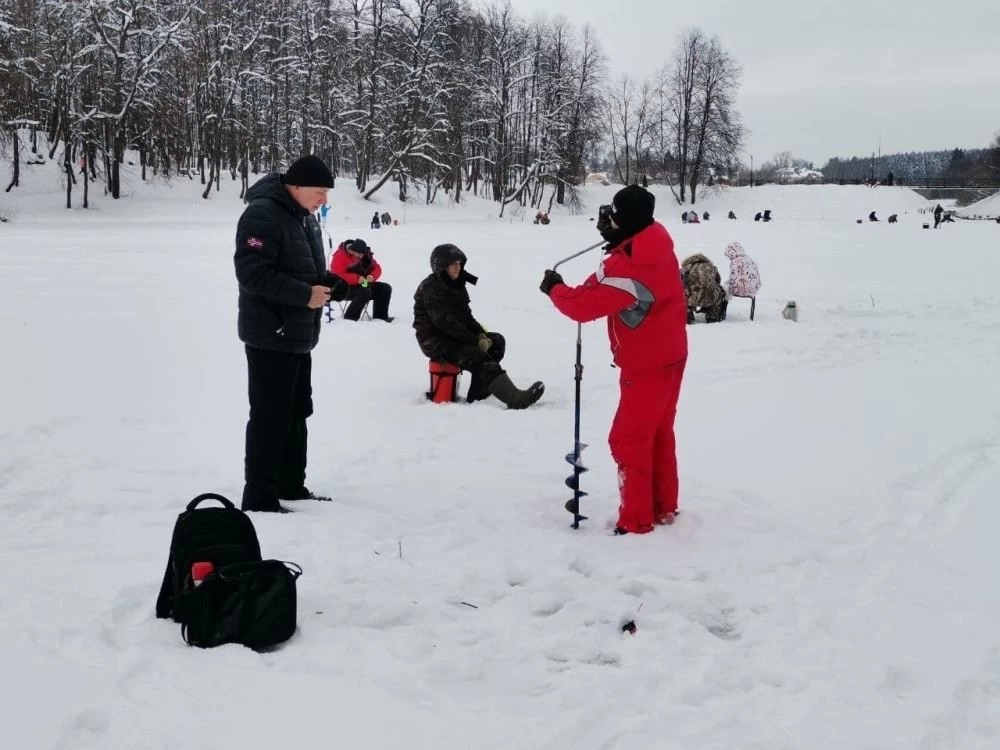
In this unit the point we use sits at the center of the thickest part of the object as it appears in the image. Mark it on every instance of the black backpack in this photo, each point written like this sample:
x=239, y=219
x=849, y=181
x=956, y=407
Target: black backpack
x=222, y=536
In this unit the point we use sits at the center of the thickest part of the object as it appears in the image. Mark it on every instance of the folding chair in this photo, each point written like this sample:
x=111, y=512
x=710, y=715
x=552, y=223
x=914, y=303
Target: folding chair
x=342, y=304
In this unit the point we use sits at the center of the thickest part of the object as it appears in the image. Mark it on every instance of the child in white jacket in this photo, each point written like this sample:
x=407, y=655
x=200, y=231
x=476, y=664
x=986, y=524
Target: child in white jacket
x=744, y=278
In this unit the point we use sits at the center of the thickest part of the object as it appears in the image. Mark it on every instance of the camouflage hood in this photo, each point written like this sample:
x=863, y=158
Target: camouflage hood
x=693, y=260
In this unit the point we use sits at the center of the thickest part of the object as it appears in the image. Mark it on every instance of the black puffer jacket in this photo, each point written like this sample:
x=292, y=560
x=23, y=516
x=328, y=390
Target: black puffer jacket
x=442, y=316
x=279, y=257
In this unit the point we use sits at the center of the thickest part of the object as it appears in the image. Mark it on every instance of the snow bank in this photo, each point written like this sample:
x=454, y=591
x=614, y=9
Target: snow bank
x=988, y=208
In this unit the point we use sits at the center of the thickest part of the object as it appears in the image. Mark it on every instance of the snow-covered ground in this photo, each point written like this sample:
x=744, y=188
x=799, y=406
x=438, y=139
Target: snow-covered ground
x=831, y=583
x=987, y=208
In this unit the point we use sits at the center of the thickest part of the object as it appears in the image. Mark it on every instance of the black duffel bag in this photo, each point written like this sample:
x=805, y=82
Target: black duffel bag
x=252, y=603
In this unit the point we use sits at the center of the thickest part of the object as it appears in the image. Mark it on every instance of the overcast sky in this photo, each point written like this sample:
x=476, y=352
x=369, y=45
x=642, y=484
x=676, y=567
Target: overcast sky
x=825, y=78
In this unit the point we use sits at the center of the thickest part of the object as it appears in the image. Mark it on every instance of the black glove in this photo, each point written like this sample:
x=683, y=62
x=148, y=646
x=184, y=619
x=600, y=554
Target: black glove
x=363, y=267
x=338, y=287
x=551, y=279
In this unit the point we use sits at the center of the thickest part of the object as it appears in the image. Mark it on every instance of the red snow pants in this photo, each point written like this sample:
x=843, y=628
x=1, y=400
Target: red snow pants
x=642, y=444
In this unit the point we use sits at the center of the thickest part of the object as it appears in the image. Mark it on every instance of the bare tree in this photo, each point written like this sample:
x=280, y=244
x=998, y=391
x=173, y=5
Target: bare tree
x=629, y=111
x=698, y=98
x=414, y=112
x=681, y=88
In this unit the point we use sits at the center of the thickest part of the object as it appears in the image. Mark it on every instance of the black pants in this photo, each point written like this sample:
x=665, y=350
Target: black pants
x=483, y=366
x=377, y=292
x=280, y=390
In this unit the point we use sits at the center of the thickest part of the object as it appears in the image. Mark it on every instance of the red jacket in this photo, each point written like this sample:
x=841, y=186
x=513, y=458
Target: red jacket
x=342, y=260
x=639, y=288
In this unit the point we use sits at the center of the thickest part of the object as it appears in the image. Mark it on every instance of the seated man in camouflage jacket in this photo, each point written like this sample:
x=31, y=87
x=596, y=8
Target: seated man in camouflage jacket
x=703, y=289
x=447, y=331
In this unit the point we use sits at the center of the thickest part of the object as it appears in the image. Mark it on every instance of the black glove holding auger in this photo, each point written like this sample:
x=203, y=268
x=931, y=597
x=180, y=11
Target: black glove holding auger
x=550, y=280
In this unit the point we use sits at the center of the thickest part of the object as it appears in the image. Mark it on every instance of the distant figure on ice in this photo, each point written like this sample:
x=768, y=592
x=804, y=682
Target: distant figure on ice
x=893, y=219
x=447, y=332
x=354, y=262
x=938, y=214
x=703, y=289
x=386, y=219
x=684, y=217
x=375, y=221
x=767, y=214
x=541, y=218
x=637, y=292
x=744, y=277
x=705, y=216
x=732, y=214
x=757, y=216
x=693, y=218
x=872, y=216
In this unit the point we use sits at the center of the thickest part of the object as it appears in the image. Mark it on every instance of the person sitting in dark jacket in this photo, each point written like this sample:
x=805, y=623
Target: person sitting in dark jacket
x=354, y=262
x=447, y=332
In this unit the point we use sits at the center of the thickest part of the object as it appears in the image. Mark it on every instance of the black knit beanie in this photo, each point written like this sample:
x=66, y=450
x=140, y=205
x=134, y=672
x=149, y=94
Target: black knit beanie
x=632, y=208
x=309, y=171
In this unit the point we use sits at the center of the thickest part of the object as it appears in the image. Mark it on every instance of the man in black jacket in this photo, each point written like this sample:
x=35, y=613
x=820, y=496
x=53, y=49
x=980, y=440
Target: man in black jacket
x=283, y=281
x=447, y=332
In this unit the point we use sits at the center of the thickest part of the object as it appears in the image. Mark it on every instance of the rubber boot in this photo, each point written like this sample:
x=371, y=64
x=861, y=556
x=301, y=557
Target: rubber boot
x=514, y=397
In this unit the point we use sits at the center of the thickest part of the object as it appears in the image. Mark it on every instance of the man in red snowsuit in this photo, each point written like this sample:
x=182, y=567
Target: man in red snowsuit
x=638, y=288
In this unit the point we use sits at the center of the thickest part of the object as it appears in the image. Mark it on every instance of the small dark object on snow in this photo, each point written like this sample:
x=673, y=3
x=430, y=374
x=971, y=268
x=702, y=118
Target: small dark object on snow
x=629, y=627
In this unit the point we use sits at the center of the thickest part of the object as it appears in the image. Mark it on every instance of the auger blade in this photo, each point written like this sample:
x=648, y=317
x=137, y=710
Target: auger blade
x=573, y=460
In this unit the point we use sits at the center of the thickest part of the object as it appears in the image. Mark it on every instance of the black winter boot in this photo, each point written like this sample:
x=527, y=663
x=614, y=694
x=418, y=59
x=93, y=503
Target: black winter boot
x=514, y=397
x=303, y=493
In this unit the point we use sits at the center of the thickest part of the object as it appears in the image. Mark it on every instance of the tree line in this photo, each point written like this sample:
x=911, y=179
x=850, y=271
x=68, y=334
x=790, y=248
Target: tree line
x=429, y=95
x=963, y=164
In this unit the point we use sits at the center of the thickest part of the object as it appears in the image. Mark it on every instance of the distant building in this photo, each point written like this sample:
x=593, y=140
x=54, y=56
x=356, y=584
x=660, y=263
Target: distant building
x=798, y=176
